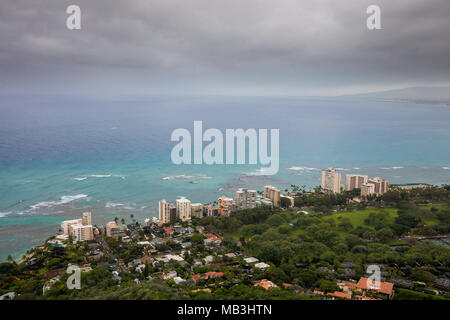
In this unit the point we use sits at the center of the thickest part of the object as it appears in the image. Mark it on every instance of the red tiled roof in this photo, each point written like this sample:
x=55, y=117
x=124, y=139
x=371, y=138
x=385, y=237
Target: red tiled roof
x=339, y=294
x=266, y=284
x=207, y=275
x=383, y=287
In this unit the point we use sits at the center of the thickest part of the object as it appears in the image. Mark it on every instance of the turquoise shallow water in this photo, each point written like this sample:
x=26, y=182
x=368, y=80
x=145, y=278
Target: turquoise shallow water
x=61, y=156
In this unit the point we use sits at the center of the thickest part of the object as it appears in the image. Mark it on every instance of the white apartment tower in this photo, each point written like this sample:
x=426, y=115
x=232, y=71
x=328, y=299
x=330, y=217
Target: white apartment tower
x=381, y=185
x=164, y=211
x=66, y=225
x=82, y=232
x=367, y=189
x=183, y=209
x=354, y=181
x=245, y=199
x=87, y=219
x=273, y=194
x=331, y=180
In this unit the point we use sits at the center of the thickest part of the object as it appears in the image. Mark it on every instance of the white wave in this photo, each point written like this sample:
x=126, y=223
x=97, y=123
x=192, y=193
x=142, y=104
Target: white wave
x=342, y=169
x=260, y=172
x=183, y=176
x=113, y=205
x=62, y=200
x=100, y=176
x=446, y=168
x=356, y=168
x=296, y=168
x=4, y=214
x=392, y=168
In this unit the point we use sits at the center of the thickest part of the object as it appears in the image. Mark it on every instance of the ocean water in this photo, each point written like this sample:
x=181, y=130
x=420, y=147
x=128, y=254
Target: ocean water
x=60, y=156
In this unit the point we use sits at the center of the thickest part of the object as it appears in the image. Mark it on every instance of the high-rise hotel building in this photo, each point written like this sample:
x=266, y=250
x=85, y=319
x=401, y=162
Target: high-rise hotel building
x=245, y=199
x=184, y=209
x=354, y=181
x=82, y=232
x=166, y=212
x=381, y=185
x=87, y=219
x=273, y=194
x=331, y=180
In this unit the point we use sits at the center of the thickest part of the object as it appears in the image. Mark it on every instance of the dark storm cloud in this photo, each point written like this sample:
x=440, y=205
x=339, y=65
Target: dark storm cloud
x=204, y=46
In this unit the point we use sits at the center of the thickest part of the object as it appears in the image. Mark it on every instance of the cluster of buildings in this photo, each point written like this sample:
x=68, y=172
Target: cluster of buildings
x=79, y=229
x=331, y=181
x=244, y=198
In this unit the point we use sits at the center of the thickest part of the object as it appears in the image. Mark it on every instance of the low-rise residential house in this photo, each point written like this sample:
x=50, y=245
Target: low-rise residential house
x=262, y=265
x=198, y=263
x=266, y=284
x=251, y=260
x=317, y=291
x=174, y=257
x=339, y=295
x=186, y=245
x=207, y=275
x=387, y=288
x=347, y=287
x=140, y=268
x=172, y=274
x=179, y=280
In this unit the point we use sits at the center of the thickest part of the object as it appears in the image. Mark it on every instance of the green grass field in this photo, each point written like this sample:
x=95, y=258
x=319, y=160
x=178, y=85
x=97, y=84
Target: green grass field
x=356, y=217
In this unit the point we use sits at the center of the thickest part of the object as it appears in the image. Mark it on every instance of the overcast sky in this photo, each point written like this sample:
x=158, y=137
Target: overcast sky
x=250, y=47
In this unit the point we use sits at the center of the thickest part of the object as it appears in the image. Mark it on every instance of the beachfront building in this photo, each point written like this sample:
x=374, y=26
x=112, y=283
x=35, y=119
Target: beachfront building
x=263, y=202
x=354, y=181
x=245, y=199
x=367, y=189
x=291, y=200
x=210, y=211
x=272, y=193
x=381, y=185
x=82, y=232
x=184, y=209
x=167, y=212
x=196, y=210
x=112, y=230
x=331, y=181
x=66, y=225
x=225, y=205
x=87, y=219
